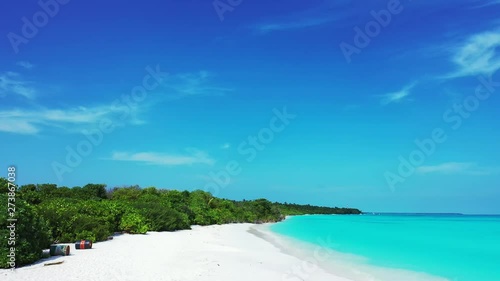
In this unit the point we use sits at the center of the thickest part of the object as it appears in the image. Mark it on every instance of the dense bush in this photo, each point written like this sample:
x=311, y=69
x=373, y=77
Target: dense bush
x=160, y=217
x=199, y=205
x=133, y=223
x=222, y=211
x=71, y=219
x=4, y=186
x=125, y=193
x=31, y=233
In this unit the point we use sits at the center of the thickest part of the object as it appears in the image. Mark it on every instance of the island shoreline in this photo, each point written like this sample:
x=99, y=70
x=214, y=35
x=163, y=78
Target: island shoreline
x=209, y=253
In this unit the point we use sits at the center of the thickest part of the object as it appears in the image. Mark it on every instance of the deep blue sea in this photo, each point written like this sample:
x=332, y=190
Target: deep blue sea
x=452, y=247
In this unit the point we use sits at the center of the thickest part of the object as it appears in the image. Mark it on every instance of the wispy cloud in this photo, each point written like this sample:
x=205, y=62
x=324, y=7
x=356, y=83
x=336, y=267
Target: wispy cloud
x=193, y=84
x=12, y=83
x=226, y=146
x=487, y=3
x=18, y=127
x=70, y=120
x=466, y=168
x=396, y=97
x=298, y=24
x=478, y=55
x=38, y=118
x=326, y=12
x=25, y=64
x=154, y=158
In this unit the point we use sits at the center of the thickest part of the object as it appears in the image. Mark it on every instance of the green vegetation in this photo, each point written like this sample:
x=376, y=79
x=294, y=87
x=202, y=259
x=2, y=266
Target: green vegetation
x=30, y=232
x=47, y=214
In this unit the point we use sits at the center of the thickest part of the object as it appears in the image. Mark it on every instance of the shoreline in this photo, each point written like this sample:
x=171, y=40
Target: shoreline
x=344, y=265
x=208, y=253
x=211, y=253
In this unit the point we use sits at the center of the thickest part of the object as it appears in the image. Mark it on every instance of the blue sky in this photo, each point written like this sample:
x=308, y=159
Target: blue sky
x=252, y=99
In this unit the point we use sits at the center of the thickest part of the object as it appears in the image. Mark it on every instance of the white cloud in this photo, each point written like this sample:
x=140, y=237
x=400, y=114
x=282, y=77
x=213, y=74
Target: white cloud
x=466, y=168
x=478, y=55
x=38, y=118
x=398, y=96
x=25, y=64
x=226, y=146
x=193, y=84
x=488, y=4
x=317, y=14
x=11, y=83
x=299, y=24
x=71, y=120
x=154, y=158
x=18, y=127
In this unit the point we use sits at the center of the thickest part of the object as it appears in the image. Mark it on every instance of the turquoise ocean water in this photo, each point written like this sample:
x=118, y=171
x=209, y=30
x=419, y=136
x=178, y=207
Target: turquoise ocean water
x=453, y=247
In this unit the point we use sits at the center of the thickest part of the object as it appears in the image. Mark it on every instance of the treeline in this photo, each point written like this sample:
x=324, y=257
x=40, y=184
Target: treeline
x=49, y=214
x=295, y=209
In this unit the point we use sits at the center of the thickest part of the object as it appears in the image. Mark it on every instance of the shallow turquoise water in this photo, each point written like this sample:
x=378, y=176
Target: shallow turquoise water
x=455, y=247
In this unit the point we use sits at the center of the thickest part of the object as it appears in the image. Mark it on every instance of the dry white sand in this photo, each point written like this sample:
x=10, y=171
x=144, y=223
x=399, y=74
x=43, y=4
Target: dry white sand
x=211, y=253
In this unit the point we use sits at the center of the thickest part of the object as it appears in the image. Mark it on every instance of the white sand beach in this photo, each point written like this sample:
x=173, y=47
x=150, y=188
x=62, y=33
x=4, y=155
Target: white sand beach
x=220, y=252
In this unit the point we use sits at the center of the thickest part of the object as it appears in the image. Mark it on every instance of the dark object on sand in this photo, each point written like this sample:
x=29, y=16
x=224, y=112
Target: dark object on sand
x=110, y=237
x=59, y=250
x=84, y=244
x=45, y=253
x=52, y=263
